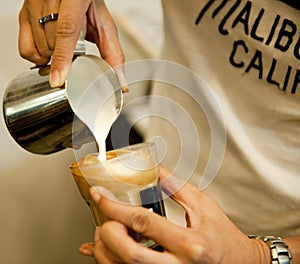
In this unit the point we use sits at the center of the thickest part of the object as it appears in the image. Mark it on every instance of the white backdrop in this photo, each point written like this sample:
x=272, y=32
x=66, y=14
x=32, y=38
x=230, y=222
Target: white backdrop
x=42, y=217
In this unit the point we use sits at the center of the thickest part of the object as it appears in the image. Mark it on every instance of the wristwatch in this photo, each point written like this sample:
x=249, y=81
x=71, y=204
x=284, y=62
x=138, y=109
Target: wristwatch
x=280, y=252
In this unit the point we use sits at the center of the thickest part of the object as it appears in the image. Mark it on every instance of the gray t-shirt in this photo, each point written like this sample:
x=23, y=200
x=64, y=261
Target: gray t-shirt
x=247, y=54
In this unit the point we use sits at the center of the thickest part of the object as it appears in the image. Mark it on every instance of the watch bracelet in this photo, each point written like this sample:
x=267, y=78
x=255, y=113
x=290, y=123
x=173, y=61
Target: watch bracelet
x=280, y=253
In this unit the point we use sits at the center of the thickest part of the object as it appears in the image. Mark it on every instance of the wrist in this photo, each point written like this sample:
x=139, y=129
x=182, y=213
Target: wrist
x=294, y=246
x=278, y=250
x=263, y=252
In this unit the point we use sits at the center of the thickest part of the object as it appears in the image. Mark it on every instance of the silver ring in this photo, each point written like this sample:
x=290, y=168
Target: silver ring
x=50, y=17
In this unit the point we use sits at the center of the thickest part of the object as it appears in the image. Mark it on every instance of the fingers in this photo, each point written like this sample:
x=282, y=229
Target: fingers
x=139, y=219
x=87, y=249
x=57, y=39
x=107, y=39
x=189, y=197
x=70, y=21
x=117, y=246
x=36, y=40
x=50, y=7
x=35, y=10
x=197, y=204
x=103, y=31
x=32, y=43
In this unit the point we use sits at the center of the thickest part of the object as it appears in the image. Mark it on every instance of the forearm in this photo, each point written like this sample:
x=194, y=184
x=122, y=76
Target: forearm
x=294, y=245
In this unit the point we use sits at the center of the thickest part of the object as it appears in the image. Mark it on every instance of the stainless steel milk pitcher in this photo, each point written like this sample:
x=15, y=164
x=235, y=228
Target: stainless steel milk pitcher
x=40, y=118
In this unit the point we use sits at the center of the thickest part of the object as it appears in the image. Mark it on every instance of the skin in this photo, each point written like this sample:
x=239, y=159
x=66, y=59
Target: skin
x=56, y=40
x=210, y=237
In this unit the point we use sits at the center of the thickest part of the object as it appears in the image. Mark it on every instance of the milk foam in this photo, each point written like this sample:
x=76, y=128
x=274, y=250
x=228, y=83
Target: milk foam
x=119, y=170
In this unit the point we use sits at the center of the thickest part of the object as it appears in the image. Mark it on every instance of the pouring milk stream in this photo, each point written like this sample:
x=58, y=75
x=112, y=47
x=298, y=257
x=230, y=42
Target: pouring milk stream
x=98, y=106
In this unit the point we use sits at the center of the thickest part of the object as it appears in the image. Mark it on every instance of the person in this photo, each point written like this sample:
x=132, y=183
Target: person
x=247, y=51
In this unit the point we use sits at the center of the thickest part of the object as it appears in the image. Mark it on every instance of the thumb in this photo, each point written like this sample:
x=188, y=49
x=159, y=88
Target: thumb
x=69, y=23
x=186, y=195
x=62, y=59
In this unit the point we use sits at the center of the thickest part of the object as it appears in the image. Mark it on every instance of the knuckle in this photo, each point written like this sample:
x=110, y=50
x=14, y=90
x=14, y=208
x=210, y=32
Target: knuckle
x=140, y=222
x=22, y=14
x=31, y=56
x=66, y=27
x=45, y=52
x=133, y=257
x=25, y=54
x=195, y=249
x=51, y=44
x=196, y=254
x=109, y=225
x=30, y=4
x=116, y=59
x=60, y=55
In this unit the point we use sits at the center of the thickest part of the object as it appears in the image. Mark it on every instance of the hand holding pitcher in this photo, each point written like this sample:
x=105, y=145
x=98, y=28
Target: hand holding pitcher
x=56, y=38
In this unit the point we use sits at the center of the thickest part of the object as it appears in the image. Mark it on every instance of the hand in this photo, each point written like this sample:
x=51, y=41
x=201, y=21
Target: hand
x=57, y=39
x=210, y=236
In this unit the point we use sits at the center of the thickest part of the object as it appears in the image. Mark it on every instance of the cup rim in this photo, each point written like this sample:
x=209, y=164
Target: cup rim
x=151, y=144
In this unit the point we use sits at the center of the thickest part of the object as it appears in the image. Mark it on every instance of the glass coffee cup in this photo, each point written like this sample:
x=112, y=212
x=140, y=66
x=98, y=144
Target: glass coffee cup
x=130, y=173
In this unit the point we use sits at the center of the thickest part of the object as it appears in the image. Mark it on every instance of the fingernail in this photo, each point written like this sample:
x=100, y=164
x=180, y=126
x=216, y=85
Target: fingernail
x=122, y=80
x=95, y=193
x=55, y=79
x=85, y=251
x=125, y=89
x=98, y=191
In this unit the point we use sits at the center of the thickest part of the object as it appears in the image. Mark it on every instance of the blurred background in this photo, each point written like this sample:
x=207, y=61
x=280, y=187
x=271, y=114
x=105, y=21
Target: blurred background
x=42, y=216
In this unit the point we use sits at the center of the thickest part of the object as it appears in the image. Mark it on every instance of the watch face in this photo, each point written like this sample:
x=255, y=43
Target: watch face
x=292, y=3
